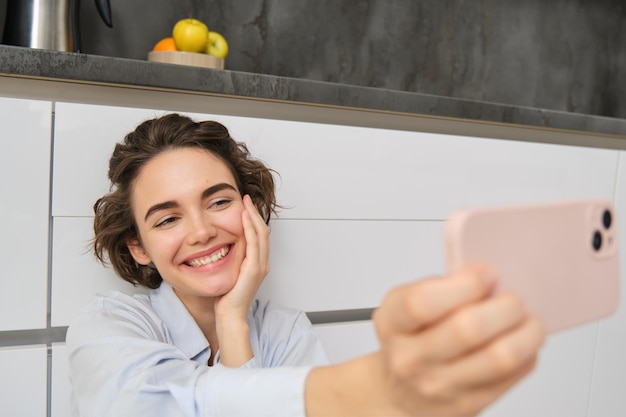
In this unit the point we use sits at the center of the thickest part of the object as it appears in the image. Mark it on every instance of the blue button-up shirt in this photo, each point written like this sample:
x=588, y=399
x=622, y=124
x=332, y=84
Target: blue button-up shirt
x=144, y=355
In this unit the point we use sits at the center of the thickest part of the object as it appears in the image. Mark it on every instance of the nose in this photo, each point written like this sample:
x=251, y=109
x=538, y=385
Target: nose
x=200, y=229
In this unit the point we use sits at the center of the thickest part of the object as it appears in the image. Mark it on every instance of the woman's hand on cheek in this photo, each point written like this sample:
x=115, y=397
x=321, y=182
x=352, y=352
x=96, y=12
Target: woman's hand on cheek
x=449, y=347
x=231, y=309
x=255, y=266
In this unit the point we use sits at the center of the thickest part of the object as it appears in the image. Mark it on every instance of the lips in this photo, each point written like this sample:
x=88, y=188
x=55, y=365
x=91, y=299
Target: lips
x=209, y=259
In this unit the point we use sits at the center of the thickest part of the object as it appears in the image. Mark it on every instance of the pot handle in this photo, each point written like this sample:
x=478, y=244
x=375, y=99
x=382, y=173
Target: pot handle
x=104, y=8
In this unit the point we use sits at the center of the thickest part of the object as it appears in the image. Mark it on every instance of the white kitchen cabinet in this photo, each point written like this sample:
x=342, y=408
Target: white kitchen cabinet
x=76, y=275
x=365, y=213
x=560, y=384
x=607, y=397
x=320, y=265
x=84, y=137
x=60, y=389
x=346, y=172
x=344, y=341
x=23, y=381
x=316, y=266
x=24, y=186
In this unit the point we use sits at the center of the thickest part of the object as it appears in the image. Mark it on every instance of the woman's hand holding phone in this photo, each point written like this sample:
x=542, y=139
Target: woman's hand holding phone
x=448, y=347
x=453, y=345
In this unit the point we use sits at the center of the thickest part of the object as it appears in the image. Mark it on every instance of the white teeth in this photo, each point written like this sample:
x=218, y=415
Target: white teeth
x=197, y=263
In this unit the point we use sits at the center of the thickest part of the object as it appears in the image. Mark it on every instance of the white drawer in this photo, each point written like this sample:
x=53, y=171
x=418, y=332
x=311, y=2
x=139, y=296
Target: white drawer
x=560, y=384
x=607, y=397
x=347, y=172
x=321, y=265
x=23, y=381
x=316, y=265
x=61, y=389
x=344, y=341
x=76, y=275
x=84, y=137
x=24, y=186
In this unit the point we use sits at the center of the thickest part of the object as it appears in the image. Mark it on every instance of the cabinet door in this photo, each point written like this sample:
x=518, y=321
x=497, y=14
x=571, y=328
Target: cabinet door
x=84, y=137
x=321, y=265
x=561, y=382
x=76, y=275
x=609, y=379
x=23, y=381
x=334, y=266
x=24, y=187
x=60, y=389
x=344, y=341
x=348, y=172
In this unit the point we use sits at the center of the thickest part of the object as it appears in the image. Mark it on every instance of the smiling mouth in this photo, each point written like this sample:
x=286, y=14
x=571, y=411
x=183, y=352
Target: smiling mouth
x=220, y=254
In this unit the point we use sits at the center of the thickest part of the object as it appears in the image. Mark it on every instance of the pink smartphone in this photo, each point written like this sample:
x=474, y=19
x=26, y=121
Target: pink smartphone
x=561, y=258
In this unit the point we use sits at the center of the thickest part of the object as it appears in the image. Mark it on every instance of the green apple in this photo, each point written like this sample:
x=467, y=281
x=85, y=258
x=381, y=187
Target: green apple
x=217, y=45
x=190, y=35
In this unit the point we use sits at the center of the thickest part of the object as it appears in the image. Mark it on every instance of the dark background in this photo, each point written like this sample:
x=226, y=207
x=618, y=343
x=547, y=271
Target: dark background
x=567, y=55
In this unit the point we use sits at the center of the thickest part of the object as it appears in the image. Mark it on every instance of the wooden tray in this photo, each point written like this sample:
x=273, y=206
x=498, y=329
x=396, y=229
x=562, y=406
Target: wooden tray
x=186, y=58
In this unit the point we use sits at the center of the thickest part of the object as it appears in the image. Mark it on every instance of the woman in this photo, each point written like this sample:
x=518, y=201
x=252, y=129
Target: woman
x=187, y=218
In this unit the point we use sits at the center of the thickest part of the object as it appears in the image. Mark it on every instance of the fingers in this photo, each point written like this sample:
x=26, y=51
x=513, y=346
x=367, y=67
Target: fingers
x=256, y=233
x=480, y=398
x=451, y=339
x=504, y=357
x=475, y=400
x=254, y=268
x=472, y=327
x=462, y=332
x=415, y=306
x=489, y=371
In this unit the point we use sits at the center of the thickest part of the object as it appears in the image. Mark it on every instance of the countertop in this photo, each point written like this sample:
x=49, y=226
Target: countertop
x=84, y=68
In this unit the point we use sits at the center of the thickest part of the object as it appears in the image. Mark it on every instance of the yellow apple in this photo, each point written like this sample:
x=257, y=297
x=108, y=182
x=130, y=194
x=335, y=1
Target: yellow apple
x=190, y=35
x=217, y=45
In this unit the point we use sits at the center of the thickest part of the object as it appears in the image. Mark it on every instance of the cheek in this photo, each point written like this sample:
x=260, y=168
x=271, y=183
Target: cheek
x=234, y=222
x=163, y=245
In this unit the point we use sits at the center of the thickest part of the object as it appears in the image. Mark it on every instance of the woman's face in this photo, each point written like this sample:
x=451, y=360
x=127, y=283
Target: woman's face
x=188, y=212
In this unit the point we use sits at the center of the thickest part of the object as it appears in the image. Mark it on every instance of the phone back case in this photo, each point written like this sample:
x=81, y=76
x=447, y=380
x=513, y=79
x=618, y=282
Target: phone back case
x=561, y=258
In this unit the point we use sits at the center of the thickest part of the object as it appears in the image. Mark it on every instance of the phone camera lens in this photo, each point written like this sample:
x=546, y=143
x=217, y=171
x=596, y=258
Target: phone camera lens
x=607, y=219
x=597, y=241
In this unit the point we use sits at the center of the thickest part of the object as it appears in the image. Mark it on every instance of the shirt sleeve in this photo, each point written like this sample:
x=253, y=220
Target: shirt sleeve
x=121, y=364
x=219, y=391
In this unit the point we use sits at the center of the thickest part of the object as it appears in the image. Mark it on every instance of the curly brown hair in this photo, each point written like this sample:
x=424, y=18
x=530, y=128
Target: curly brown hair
x=114, y=224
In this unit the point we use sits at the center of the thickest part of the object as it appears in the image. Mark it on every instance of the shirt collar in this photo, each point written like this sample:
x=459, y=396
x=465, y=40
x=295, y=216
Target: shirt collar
x=185, y=333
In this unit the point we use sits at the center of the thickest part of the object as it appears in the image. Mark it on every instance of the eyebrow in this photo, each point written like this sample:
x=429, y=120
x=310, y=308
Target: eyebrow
x=206, y=193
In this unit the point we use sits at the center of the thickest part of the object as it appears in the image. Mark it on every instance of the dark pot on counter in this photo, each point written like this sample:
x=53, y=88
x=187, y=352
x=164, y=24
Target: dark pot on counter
x=49, y=24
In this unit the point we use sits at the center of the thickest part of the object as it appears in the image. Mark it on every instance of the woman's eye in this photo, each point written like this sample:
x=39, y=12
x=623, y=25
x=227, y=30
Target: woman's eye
x=166, y=222
x=221, y=203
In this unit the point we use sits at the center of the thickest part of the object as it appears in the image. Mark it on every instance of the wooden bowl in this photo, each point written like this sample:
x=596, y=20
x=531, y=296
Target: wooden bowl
x=186, y=58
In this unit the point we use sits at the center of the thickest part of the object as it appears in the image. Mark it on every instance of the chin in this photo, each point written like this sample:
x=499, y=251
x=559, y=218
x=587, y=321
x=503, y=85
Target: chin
x=212, y=290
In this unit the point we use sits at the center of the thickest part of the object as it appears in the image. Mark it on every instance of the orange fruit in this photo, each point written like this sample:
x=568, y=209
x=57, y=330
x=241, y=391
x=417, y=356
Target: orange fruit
x=165, y=44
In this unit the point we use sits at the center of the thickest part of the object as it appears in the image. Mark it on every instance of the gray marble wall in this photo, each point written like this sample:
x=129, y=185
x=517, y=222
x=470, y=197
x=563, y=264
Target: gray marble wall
x=558, y=54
